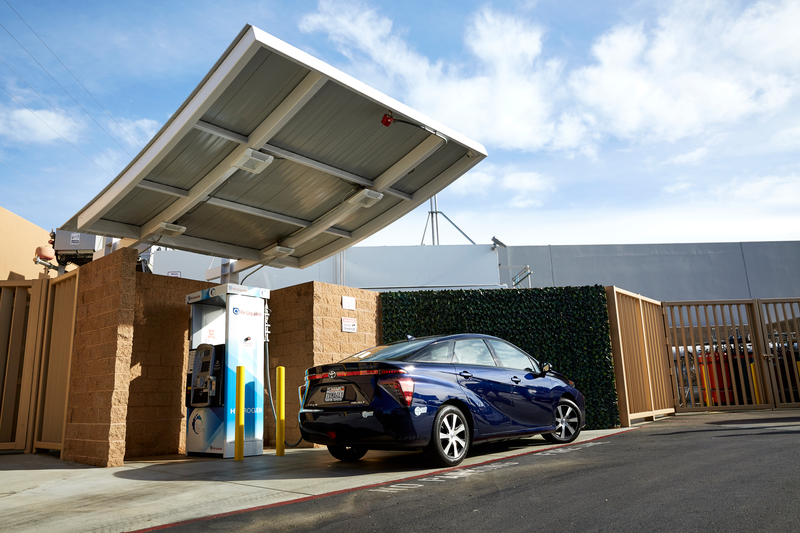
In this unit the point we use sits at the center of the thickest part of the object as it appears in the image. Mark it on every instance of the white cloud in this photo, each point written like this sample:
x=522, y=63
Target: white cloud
x=690, y=158
x=787, y=139
x=518, y=189
x=504, y=97
x=770, y=192
x=679, y=187
x=528, y=188
x=689, y=218
x=136, y=133
x=474, y=182
x=703, y=65
x=43, y=127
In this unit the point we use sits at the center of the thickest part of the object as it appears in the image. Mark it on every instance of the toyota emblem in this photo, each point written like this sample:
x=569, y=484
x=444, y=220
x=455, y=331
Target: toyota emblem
x=332, y=374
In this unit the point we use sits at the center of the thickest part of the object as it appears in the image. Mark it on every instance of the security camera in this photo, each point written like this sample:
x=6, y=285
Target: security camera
x=497, y=242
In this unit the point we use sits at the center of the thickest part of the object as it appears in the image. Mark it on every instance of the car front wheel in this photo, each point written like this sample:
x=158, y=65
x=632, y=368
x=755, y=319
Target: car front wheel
x=568, y=423
x=348, y=454
x=450, y=438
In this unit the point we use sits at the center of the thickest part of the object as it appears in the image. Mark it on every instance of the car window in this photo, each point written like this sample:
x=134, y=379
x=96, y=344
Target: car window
x=390, y=352
x=473, y=352
x=435, y=353
x=511, y=357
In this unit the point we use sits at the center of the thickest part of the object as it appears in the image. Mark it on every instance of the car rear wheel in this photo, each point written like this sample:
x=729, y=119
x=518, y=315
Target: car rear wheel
x=450, y=438
x=347, y=454
x=568, y=423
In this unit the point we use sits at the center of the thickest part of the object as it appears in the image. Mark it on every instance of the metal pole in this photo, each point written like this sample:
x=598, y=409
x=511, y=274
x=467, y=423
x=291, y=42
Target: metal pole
x=239, y=443
x=424, y=231
x=447, y=218
x=433, y=223
x=436, y=217
x=280, y=424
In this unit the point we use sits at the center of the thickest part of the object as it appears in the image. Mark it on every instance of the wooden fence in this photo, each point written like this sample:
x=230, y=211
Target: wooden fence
x=37, y=325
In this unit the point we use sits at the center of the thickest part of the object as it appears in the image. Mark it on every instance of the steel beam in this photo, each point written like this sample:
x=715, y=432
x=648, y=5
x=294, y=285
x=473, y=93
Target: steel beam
x=276, y=120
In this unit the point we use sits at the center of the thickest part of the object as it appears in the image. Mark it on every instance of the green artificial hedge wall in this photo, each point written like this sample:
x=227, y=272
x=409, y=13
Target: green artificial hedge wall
x=566, y=326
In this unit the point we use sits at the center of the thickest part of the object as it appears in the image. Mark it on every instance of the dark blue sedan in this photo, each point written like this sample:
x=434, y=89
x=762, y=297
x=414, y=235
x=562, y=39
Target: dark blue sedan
x=438, y=394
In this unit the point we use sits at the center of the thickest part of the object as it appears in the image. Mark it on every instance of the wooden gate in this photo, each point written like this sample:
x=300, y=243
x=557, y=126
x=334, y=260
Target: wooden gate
x=734, y=354
x=22, y=306
x=780, y=319
x=714, y=349
x=640, y=366
x=59, y=329
x=37, y=325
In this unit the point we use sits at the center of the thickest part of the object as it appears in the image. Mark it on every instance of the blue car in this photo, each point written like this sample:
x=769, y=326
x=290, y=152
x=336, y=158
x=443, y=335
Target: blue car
x=439, y=394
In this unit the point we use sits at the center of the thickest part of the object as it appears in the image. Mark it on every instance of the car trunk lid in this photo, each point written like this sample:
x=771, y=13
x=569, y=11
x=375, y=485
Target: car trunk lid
x=345, y=384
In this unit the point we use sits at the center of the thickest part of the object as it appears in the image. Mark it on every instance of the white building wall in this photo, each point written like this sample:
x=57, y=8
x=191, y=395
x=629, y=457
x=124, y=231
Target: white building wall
x=667, y=272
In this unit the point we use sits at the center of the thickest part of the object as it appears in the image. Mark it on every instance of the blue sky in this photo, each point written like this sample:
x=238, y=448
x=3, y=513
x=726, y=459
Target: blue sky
x=605, y=122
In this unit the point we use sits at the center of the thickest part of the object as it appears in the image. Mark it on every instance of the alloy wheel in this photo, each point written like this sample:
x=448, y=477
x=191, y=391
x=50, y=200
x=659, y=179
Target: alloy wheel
x=567, y=421
x=453, y=435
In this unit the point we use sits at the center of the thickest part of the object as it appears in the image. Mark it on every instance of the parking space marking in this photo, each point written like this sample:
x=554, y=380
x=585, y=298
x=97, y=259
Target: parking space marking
x=568, y=449
x=481, y=469
x=455, y=474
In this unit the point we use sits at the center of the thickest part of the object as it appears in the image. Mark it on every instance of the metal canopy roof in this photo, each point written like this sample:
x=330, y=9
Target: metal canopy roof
x=277, y=158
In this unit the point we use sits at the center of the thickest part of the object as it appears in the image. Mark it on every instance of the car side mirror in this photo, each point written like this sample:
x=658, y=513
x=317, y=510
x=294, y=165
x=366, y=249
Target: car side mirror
x=547, y=367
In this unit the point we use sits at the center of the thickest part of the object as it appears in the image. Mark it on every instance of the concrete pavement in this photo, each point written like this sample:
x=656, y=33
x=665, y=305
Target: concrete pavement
x=43, y=493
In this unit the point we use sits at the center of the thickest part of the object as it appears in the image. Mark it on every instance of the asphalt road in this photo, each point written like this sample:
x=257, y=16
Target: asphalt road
x=703, y=472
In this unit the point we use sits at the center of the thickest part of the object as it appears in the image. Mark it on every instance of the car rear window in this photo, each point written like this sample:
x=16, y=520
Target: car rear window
x=389, y=352
x=438, y=352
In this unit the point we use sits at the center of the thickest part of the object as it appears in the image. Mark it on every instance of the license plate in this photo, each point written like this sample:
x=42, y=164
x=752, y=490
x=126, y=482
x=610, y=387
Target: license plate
x=334, y=394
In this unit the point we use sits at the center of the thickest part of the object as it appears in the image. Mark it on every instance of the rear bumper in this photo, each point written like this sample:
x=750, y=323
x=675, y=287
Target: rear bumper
x=396, y=429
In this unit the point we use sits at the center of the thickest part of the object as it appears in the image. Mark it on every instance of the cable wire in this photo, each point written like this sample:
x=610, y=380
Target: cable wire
x=66, y=91
x=56, y=132
x=29, y=179
x=58, y=111
x=74, y=77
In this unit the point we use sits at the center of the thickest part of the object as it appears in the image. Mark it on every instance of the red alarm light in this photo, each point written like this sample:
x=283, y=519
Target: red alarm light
x=387, y=120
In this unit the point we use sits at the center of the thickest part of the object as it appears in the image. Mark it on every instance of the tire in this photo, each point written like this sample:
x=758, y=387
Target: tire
x=348, y=454
x=450, y=437
x=568, y=422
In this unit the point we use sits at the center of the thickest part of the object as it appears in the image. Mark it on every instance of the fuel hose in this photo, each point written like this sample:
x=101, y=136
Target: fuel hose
x=269, y=393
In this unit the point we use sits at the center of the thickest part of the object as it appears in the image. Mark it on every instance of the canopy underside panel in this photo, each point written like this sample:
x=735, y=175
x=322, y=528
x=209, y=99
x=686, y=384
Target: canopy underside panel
x=277, y=158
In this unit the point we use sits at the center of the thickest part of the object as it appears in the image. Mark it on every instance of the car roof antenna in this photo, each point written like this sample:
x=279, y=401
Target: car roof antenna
x=409, y=338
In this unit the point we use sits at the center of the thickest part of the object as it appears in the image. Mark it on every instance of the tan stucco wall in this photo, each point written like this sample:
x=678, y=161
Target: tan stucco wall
x=97, y=403
x=19, y=240
x=306, y=330
x=129, y=361
x=156, y=420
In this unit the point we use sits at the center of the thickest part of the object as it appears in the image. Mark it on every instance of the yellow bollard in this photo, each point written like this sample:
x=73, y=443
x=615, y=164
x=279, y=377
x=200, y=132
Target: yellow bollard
x=239, y=448
x=280, y=430
x=755, y=383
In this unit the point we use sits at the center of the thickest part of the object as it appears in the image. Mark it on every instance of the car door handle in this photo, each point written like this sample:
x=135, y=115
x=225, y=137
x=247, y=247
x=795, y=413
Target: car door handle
x=465, y=374
x=515, y=379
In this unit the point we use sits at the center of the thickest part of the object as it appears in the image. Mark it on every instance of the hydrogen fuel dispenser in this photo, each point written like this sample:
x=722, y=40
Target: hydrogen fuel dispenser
x=228, y=327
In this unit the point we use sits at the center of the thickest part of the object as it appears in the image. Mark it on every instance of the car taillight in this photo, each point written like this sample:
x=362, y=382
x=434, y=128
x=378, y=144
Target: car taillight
x=352, y=373
x=402, y=389
x=301, y=391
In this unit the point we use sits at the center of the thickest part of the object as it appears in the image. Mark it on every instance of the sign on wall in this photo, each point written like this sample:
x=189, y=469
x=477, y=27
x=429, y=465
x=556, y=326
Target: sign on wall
x=349, y=325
